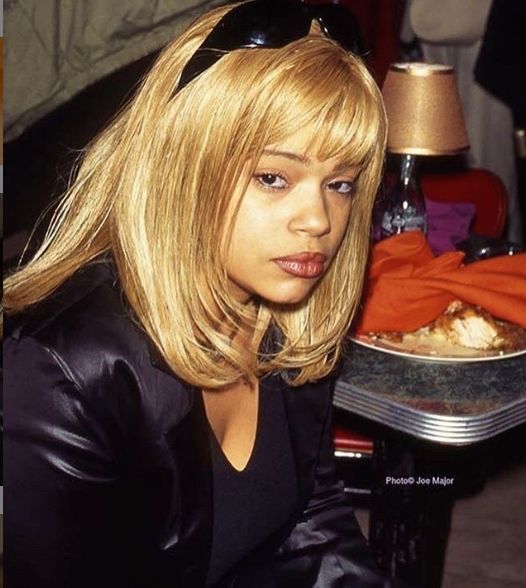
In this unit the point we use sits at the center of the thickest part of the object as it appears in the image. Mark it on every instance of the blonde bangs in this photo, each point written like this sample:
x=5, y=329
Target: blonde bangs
x=315, y=85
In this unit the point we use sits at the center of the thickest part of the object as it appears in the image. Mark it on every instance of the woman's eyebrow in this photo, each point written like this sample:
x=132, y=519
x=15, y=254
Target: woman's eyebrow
x=345, y=166
x=289, y=155
x=303, y=159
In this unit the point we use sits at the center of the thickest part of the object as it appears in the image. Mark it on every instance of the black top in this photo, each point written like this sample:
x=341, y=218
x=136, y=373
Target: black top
x=249, y=505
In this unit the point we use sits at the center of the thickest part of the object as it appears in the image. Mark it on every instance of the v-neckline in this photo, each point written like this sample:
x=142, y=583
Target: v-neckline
x=256, y=432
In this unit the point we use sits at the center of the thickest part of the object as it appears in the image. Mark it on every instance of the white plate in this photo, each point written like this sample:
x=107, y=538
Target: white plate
x=428, y=349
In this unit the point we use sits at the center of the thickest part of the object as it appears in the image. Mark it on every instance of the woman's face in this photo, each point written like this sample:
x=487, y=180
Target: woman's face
x=290, y=223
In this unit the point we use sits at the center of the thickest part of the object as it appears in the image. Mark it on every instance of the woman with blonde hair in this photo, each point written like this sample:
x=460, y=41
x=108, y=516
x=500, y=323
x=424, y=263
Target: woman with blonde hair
x=168, y=367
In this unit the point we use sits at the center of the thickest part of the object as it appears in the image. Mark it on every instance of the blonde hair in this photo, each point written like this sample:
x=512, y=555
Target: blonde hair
x=156, y=186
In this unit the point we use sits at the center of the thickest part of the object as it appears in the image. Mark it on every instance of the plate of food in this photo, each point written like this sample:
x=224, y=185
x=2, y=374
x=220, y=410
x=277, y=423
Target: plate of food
x=463, y=333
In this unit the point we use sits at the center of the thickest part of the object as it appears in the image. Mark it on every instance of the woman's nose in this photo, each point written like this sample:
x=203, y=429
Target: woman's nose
x=311, y=214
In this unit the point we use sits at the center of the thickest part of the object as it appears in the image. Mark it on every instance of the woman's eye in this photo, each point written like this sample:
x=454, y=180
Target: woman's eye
x=342, y=187
x=271, y=181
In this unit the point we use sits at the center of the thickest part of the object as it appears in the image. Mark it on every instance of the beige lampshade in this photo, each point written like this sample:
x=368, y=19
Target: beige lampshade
x=423, y=110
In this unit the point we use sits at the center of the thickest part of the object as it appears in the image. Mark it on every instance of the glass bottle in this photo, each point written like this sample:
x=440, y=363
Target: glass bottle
x=404, y=206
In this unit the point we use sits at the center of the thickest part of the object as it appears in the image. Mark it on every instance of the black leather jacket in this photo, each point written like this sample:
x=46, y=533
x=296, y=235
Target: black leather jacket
x=107, y=465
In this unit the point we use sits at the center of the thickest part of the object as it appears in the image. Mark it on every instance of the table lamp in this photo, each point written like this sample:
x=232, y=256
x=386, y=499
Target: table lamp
x=425, y=118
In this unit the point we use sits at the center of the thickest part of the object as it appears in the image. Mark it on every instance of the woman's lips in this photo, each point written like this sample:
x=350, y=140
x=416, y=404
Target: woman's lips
x=303, y=265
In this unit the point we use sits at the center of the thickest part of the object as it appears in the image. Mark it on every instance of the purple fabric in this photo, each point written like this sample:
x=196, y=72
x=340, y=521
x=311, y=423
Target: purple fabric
x=448, y=223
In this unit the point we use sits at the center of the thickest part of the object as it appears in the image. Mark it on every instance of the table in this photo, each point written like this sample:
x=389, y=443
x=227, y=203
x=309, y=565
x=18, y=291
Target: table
x=444, y=410
x=449, y=403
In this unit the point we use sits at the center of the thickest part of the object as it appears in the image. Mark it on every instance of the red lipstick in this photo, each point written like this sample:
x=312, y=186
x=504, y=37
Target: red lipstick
x=303, y=265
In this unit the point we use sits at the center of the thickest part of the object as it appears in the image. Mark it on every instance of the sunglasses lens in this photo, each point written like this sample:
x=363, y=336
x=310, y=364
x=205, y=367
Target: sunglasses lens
x=261, y=23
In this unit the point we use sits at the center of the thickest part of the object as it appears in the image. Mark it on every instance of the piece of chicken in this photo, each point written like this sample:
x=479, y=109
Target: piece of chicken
x=472, y=326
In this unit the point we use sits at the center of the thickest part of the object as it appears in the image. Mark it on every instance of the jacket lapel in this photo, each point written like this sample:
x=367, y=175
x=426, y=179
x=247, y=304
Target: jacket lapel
x=306, y=408
x=191, y=450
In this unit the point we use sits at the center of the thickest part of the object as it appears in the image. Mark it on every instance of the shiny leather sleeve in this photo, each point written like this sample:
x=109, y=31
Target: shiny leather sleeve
x=64, y=507
x=326, y=548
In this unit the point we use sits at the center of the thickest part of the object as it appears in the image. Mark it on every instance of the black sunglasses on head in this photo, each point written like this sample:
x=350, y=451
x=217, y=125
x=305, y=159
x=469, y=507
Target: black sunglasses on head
x=271, y=24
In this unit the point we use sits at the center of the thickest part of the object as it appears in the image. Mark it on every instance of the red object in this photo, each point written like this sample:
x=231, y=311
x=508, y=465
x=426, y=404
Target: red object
x=478, y=186
x=408, y=287
x=350, y=441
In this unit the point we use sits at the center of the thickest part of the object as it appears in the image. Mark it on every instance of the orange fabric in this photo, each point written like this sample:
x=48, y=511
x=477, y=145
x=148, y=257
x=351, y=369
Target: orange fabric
x=407, y=287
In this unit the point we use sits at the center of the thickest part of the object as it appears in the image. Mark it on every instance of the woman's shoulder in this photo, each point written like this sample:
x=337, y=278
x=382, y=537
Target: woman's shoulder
x=87, y=330
x=83, y=319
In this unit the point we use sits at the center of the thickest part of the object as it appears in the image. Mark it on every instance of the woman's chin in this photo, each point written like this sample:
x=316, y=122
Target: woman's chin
x=287, y=297
x=276, y=292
